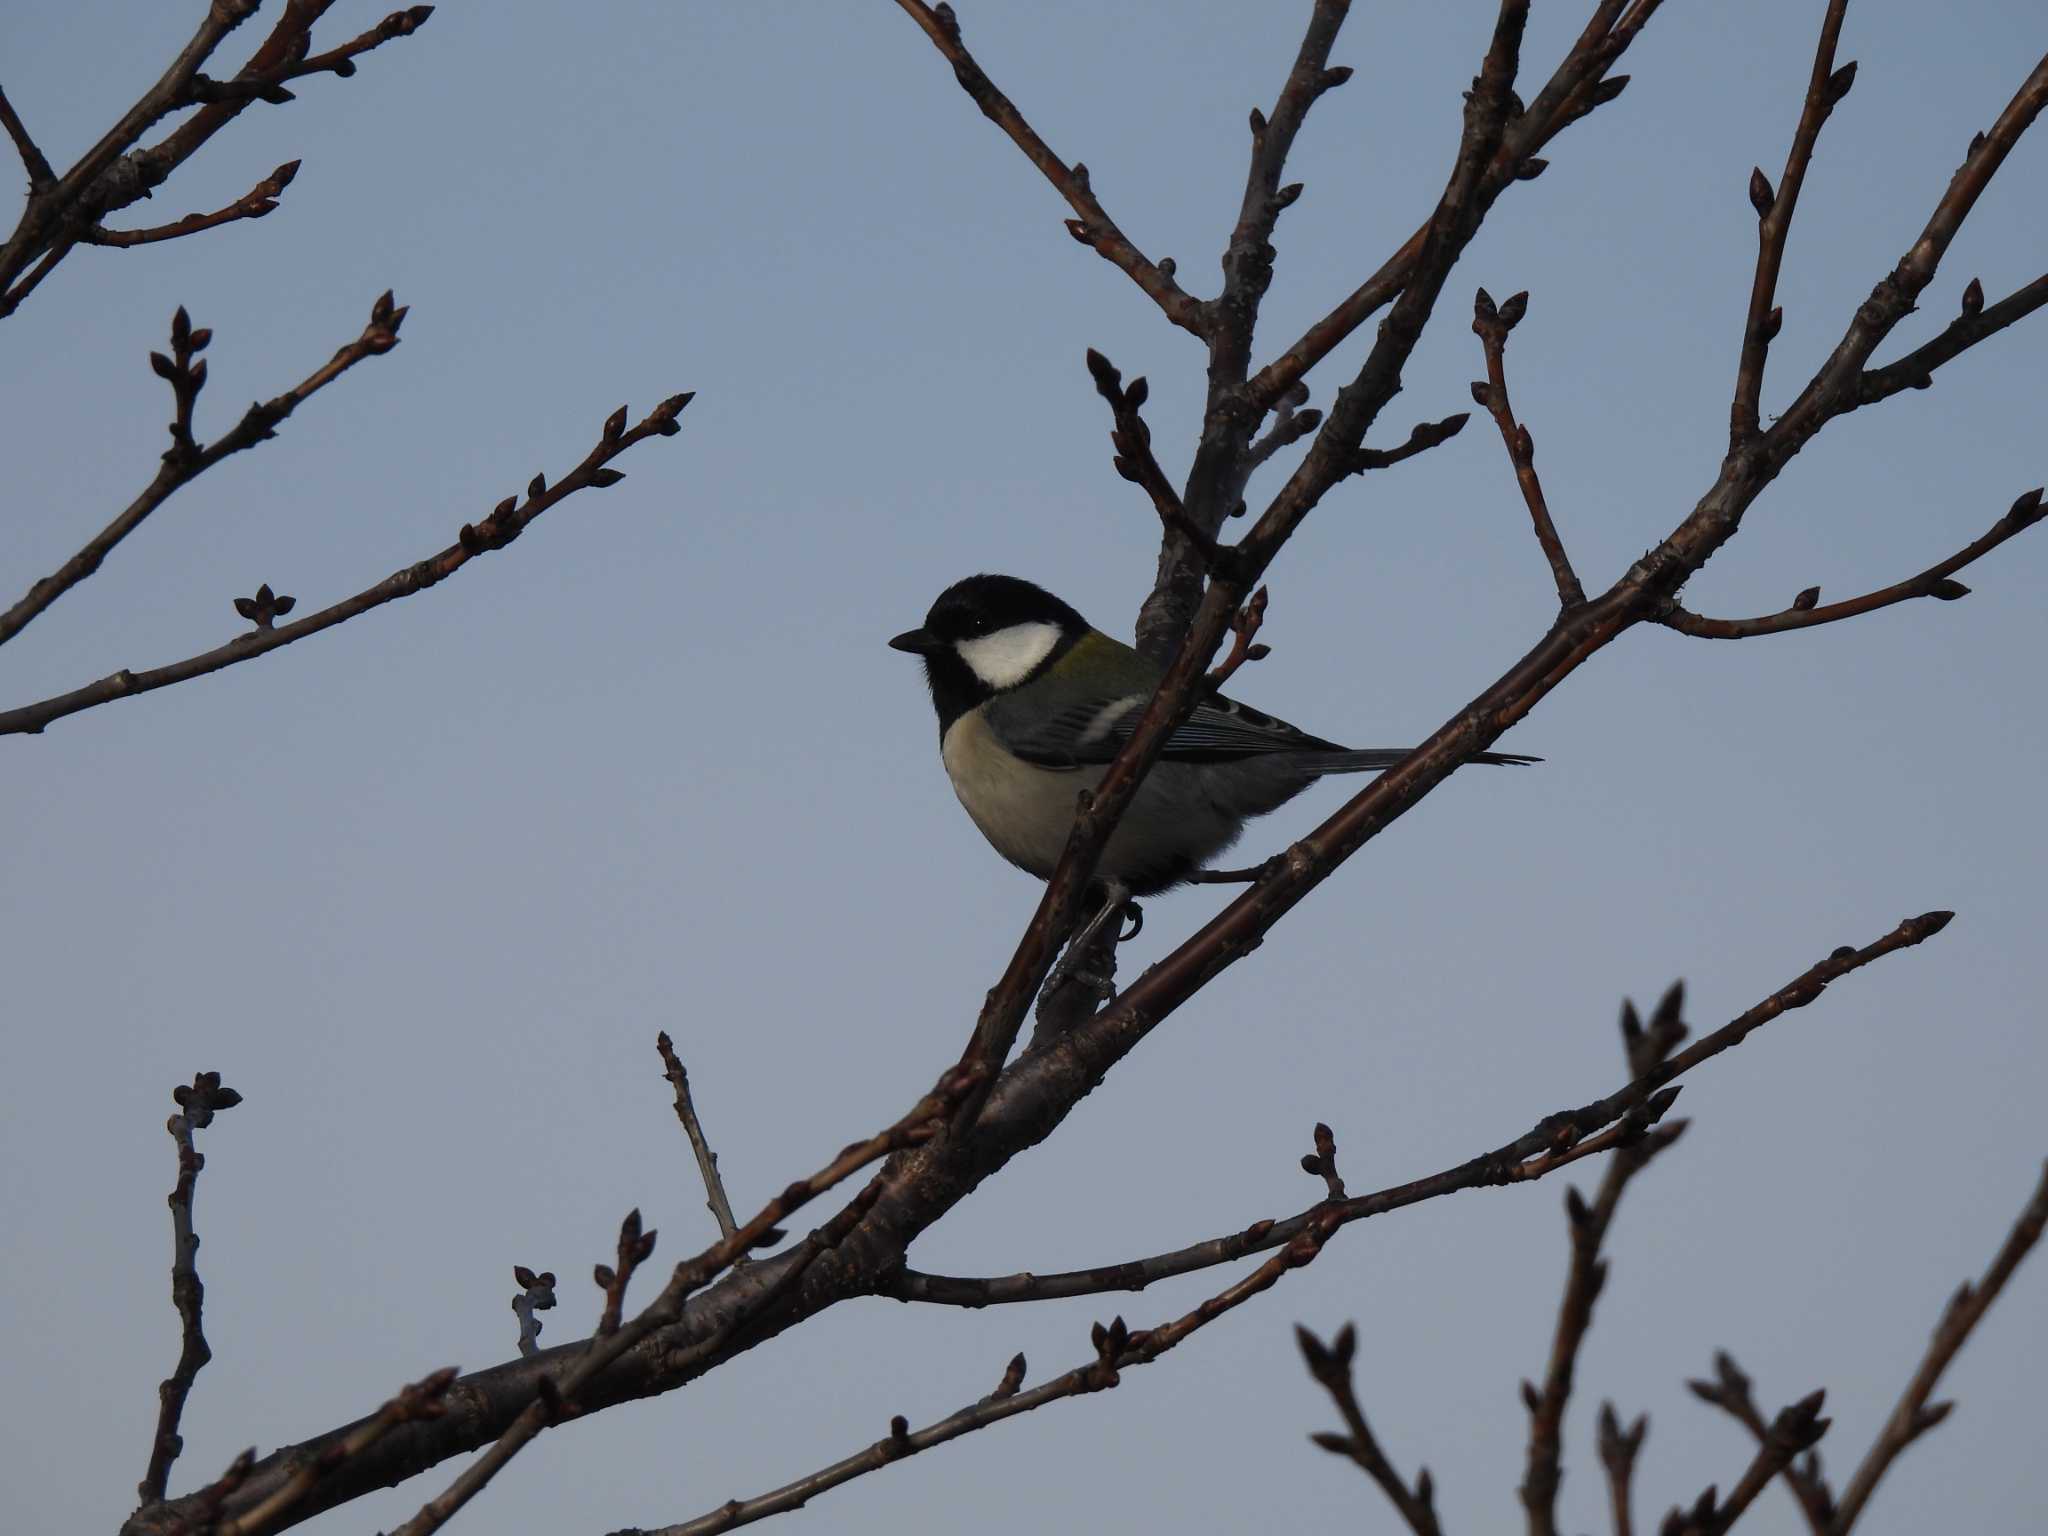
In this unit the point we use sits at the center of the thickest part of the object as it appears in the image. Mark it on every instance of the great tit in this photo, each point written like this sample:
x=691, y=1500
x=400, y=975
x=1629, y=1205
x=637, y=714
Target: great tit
x=1033, y=705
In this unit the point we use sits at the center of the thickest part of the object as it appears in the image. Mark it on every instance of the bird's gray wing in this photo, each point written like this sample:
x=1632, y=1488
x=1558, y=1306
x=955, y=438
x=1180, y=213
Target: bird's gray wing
x=1093, y=729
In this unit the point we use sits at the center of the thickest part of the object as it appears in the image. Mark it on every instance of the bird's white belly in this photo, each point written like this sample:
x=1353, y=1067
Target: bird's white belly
x=1026, y=812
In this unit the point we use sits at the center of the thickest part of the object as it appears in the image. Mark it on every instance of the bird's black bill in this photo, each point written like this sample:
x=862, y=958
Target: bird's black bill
x=917, y=642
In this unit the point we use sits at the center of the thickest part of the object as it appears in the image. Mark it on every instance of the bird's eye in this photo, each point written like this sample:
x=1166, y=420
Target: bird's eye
x=978, y=625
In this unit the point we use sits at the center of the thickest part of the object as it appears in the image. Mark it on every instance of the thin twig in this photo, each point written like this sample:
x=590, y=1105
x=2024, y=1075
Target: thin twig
x=1492, y=323
x=506, y=522
x=1330, y=1365
x=197, y=1105
x=707, y=1160
x=1093, y=226
x=1117, y=1349
x=1648, y=1048
x=253, y=204
x=39, y=173
x=1132, y=440
x=1914, y=1415
x=1825, y=88
x=557, y=1398
x=1976, y=321
x=1422, y=437
x=186, y=460
x=1556, y=1141
x=635, y=1248
x=1806, y=610
x=1618, y=1451
x=536, y=1294
x=1244, y=628
x=1730, y=1392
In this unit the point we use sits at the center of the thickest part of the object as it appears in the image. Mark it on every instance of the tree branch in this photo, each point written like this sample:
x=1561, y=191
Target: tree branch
x=1093, y=226
x=1556, y=1141
x=554, y=1399
x=1618, y=1451
x=1795, y=1429
x=1729, y=1391
x=1916, y=369
x=707, y=1160
x=506, y=522
x=1914, y=1415
x=253, y=204
x=1330, y=1365
x=1117, y=1349
x=1648, y=1047
x=1132, y=440
x=185, y=460
x=39, y=173
x=1806, y=612
x=1491, y=324
x=197, y=1105
x=1826, y=87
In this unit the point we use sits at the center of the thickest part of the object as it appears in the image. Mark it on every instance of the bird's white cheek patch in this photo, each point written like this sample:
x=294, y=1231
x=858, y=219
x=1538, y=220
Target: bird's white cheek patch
x=1005, y=658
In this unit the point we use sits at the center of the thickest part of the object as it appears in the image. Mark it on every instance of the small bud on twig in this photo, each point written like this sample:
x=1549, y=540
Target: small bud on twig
x=1761, y=197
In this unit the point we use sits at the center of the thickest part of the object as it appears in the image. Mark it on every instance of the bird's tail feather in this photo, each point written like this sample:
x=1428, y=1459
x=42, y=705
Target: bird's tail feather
x=1362, y=759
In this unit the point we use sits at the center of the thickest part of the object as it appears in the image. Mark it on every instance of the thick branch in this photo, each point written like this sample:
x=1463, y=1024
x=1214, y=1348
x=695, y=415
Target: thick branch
x=1093, y=226
x=197, y=1106
x=1824, y=89
x=506, y=522
x=1914, y=1415
x=1806, y=610
x=185, y=460
x=1557, y=1140
x=1491, y=323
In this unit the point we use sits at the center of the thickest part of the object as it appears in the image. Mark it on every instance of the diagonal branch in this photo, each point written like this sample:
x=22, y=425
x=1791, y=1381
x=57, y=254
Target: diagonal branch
x=39, y=173
x=1916, y=369
x=686, y=1111
x=197, y=1105
x=185, y=460
x=507, y=521
x=1824, y=90
x=1795, y=1429
x=1132, y=440
x=1914, y=1415
x=1092, y=226
x=1806, y=610
x=1491, y=323
x=253, y=204
x=1117, y=1349
x=1556, y=1141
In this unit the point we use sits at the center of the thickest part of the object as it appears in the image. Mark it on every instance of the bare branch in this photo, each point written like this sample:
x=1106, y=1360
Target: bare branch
x=1132, y=440
x=1824, y=89
x=197, y=1105
x=1491, y=323
x=1093, y=226
x=556, y=1398
x=340, y=62
x=536, y=1294
x=707, y=1160
x=1914, y=1415
x=1618, y=1451
x=1330, y=1364
x=39, y=173
x=1117, y=1349
x=1916, y=369
x=1729, y=1391
x=1244, y=628
x=635, y=1248
x=1555, y=1142
x=253, y=204
x=1422, y=437
x=1806, y=610
x=1648, y=1049
x=186, y=460
x=506, y=522
x=421, y=1401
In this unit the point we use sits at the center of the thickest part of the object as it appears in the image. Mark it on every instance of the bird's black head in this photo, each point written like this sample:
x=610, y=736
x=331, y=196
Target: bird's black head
x=986, y=635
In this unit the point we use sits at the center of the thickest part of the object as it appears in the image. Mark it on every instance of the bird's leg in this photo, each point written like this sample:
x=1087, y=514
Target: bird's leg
x=1103, y=932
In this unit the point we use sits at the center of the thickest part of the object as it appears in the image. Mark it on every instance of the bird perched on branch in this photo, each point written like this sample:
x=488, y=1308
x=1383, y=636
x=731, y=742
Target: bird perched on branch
x=1034, y=704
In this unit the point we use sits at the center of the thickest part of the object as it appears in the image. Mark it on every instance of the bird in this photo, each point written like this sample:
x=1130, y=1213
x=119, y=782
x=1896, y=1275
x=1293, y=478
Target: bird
x=1034, y=703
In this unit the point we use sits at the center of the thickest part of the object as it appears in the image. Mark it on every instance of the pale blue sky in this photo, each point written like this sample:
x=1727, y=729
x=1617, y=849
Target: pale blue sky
x=424, y=888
